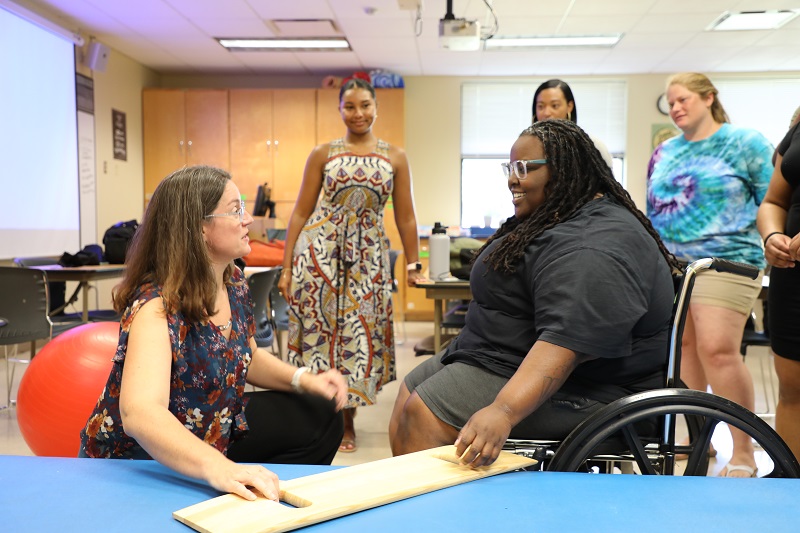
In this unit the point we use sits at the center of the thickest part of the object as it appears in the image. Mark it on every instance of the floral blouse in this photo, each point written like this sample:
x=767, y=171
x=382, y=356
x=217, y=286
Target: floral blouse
x=207, y=380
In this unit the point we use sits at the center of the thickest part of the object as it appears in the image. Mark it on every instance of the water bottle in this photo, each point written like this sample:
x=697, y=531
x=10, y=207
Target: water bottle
x=439, y=246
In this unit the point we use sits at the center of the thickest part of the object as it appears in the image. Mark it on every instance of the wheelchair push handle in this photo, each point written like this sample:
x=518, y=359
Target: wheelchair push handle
x=742, y=269
x=682, y=304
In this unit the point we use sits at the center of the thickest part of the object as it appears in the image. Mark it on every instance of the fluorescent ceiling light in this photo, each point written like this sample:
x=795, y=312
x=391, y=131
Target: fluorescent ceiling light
x=553, y=40
x=752, y=20
x=306, y=44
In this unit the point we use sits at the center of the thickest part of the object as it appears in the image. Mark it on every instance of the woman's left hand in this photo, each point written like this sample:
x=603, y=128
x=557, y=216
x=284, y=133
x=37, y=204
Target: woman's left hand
x=481, y=440
x=329, y=384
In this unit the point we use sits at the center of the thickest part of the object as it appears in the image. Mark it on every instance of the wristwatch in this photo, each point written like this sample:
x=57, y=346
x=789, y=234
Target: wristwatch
x=415, y=267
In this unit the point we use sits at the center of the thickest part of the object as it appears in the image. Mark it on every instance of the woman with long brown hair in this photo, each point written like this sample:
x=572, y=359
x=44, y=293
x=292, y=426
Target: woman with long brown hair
x=186, y=351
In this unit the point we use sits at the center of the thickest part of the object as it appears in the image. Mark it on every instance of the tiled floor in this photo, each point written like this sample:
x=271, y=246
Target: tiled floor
x=372, y=422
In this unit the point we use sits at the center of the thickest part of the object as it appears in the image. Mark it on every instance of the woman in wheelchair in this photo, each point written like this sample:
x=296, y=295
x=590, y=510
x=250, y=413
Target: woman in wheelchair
x=571, y=308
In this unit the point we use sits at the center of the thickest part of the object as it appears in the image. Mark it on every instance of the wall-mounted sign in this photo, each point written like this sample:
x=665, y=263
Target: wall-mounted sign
x=662, y=132
x=120, y=135
x=84, y=93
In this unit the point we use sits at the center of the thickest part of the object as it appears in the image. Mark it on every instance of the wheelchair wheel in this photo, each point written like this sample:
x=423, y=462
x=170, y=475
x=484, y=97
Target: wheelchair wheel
x=703, y=413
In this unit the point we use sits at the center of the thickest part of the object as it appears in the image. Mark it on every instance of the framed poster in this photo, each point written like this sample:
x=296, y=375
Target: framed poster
x=661, y=132
x=120, y=135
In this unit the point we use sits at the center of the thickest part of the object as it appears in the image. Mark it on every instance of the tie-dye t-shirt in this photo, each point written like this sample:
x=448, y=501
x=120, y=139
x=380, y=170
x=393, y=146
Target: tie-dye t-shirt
x=703, y=196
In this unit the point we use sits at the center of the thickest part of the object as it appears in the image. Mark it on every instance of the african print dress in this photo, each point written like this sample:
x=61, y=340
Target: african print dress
x=341, y=301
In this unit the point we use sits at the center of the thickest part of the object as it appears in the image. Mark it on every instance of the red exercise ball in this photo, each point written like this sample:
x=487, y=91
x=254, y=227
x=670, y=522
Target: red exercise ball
x=61, y=386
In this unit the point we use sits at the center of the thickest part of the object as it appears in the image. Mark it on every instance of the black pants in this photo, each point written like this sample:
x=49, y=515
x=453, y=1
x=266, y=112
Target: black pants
x=288, y=428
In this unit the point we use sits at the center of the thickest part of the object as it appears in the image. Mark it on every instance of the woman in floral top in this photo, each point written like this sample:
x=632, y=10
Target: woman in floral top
x=186, y=349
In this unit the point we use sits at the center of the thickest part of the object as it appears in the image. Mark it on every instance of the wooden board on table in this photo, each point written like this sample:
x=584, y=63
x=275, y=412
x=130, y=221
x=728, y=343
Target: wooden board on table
x=343, y=491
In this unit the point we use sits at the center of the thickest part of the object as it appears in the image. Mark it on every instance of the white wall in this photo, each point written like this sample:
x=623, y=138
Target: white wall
x=120, y=184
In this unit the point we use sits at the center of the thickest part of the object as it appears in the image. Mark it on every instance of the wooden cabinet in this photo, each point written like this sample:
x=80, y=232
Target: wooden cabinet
x=272, y=132
x=183, y=127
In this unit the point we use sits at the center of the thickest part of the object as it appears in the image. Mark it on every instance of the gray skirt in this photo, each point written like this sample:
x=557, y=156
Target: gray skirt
x=454, y=392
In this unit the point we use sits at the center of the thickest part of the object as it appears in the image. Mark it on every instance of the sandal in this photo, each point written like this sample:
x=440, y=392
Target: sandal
x=348, y=446
x=751, y=471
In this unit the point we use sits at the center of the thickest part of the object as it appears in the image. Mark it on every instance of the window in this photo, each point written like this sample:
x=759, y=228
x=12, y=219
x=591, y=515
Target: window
x=492, y=117
x=763, y=104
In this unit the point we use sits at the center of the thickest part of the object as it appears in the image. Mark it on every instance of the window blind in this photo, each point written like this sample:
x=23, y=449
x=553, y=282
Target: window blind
x=763, y=104
x=494, y=113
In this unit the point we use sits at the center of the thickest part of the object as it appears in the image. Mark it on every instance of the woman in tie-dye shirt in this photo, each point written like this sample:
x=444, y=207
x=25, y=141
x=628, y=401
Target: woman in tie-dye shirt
x=704, y=188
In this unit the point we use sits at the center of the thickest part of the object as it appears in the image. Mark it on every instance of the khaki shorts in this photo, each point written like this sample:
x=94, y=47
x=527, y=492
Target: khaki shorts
x=723, y=289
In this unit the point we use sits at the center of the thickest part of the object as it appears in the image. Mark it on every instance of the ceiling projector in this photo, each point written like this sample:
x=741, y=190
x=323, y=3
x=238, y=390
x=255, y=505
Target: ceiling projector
x=459, y=34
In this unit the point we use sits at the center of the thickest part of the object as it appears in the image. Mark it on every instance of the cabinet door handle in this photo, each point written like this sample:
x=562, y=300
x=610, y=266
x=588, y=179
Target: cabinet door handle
x=276, y=146
x=189, y=148
x=180, y=146
x=269, y=145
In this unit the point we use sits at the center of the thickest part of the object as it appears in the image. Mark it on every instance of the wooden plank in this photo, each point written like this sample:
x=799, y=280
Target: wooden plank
x=343, y=491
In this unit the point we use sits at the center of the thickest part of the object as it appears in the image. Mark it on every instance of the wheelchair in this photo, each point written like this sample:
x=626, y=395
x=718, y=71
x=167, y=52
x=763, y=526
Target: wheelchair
x=636, y=434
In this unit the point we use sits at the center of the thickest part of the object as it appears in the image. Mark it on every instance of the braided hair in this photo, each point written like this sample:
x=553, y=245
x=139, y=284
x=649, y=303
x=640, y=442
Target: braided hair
x=577, y=174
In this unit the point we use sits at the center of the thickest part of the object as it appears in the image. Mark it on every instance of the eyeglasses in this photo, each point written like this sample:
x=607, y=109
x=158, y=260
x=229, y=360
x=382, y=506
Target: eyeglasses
x=520, y=167
x=238, y=213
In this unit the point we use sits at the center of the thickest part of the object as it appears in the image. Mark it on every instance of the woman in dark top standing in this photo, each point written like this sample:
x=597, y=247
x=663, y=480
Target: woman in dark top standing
x=554, y=99
x=571, y=306
x=779, y=225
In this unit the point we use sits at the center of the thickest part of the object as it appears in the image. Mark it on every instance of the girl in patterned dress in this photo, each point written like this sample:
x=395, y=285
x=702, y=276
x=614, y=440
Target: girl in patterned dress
x=704, y=188
x=186, y=351
x=336, y=275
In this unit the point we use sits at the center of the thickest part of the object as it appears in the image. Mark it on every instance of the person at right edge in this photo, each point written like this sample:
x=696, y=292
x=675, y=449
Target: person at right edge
x=779, y=225
x=704, y=188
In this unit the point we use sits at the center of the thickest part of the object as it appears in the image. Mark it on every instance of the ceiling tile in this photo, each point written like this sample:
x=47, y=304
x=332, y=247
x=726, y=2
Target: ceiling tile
x=304, y=28
x=292, y=9
x=389, y=28
x=584, y=8
x=599, y=24
x=233, y=27
x=123, y=10
x=517, y=26
x=194, y=9
x=681, y=7
x=665, y=23
x=757, y=58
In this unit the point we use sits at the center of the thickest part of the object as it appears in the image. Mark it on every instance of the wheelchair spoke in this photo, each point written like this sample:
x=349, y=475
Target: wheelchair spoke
x=698, y=456
x=637, y=449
